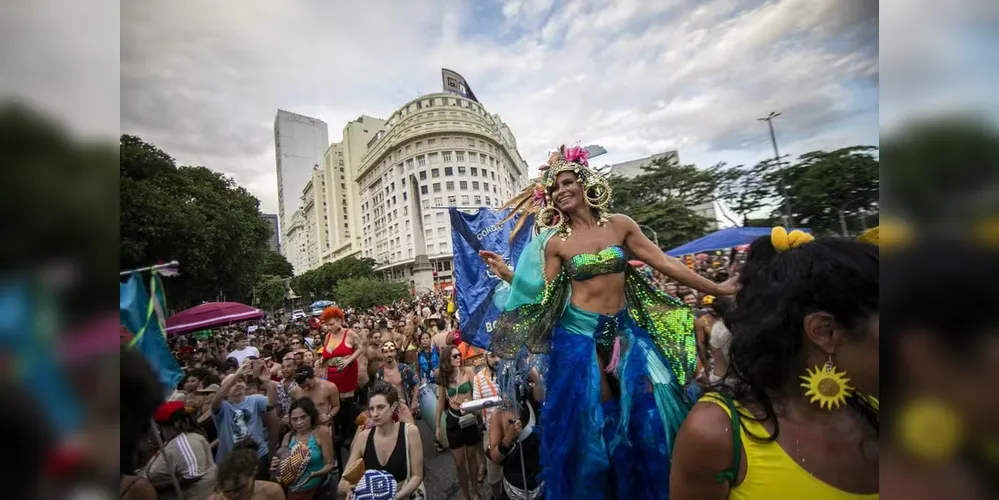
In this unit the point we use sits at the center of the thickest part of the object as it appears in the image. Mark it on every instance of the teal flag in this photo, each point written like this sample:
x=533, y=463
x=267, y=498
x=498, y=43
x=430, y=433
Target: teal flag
x=141, y=312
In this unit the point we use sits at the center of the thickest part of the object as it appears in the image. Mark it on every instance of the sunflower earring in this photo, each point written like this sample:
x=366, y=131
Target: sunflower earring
x=826, y=386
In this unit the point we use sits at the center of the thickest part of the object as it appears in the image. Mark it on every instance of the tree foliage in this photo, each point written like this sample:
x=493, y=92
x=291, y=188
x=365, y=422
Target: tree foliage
x=191, y=214
x=368, y=292
x=271, y=292
x=276, y=265
x=830, y=191
x=321, y=283
x=661, y=196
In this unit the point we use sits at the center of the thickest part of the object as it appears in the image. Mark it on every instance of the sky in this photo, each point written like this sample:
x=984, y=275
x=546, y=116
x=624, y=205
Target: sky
x=203, y=80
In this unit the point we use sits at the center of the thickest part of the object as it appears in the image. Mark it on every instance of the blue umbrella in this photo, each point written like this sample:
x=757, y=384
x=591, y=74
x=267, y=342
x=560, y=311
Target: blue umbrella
x=725, y=238
x=319, y=304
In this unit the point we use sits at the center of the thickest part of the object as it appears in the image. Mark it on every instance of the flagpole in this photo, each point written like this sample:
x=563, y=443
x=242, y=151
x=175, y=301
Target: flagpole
x=172, y=263
x=173, y=475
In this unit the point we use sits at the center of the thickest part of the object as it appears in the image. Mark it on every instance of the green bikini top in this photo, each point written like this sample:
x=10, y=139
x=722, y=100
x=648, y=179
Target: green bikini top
x=583, y=266
x=461, y=389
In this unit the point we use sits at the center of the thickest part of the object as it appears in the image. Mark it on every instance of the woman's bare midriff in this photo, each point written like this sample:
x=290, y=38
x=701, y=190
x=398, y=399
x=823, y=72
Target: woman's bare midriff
x=600, y=294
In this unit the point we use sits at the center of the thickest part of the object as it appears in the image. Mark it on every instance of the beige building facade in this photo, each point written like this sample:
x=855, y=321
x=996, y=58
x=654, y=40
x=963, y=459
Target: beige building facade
x=436, y=151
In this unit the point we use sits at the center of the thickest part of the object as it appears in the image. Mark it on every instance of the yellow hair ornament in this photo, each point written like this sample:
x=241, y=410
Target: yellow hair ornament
x=784, y=241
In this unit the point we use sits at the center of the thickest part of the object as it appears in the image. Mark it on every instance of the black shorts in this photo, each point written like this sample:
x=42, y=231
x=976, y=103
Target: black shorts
x=458, y=437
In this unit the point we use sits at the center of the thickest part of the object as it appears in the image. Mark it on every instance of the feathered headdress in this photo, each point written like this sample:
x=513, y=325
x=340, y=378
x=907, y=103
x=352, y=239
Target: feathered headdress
x=536, y=197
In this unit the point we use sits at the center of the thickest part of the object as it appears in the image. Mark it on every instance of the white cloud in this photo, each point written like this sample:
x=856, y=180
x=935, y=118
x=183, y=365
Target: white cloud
x=203, y=82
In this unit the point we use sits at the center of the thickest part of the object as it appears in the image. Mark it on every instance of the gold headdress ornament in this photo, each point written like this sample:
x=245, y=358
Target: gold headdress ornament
x=536, y=198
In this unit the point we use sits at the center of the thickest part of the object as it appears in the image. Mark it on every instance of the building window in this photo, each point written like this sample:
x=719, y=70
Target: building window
x=463, y=184
x=423, y=175
x=473, y=158
x=475, y=171
x=437, y=202
x=487, y=202
x=485, y=186
x=426, y=203
x=447, y=156
x=475, y=185
x=478, y=200
x=435, y=172
x=423, y=189
x=437, y=187
x=450, y=185
x=494, y=188
x=404, y=197
x=471, y=143
x=461, y=171
x=464, y=199
x=452, y=201
x=434, y=158
x=431, y=142
x=459, y=156
x=448, y=171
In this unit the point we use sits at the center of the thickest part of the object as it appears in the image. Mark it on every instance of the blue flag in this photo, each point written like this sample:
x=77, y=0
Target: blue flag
x=142, y=315
x=474, y=283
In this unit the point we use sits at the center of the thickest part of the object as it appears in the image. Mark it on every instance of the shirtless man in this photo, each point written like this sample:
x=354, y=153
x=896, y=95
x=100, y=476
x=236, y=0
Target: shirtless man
x=404, y=379
x=374, y=353
x=324, y=394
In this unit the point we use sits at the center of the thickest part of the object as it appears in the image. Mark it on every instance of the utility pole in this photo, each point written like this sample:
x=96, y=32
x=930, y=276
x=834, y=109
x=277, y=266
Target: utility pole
x=655, y=234
x=788, y=220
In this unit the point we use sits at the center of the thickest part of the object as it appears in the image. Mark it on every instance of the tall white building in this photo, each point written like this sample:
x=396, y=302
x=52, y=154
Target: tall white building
x=295, y=244
x=435, y=151
x=314, y=211
x=714, y=211
x=299, y=144
x=341, y=164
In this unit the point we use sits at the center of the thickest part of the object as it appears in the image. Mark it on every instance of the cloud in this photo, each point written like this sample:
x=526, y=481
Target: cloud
x=204, y=82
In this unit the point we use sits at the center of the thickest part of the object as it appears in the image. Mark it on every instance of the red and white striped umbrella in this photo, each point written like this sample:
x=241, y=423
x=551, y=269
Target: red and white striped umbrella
x=210, y=315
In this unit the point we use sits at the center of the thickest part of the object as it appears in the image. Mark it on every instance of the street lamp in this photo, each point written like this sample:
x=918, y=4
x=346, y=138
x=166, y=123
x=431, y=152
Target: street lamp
x=783, y=185
x=655, y=235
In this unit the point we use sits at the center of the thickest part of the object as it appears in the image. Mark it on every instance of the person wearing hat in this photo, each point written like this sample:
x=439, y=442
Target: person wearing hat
x=186, y=456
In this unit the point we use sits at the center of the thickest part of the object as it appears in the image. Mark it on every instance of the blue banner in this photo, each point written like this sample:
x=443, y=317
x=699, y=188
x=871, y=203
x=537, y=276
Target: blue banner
x=138, y=312
x=473, y=281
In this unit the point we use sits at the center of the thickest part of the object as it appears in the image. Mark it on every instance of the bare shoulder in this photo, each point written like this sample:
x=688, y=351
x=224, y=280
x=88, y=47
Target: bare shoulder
x=412, y=432
x=139, y=489
x=269, y=490
x=620, y=220
x=706, y=436
x=323, y=431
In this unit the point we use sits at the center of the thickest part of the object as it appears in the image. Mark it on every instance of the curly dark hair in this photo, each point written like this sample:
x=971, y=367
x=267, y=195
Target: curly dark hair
x=834, y=275
x=383, y=388
x=308, y=406
x=242, y=461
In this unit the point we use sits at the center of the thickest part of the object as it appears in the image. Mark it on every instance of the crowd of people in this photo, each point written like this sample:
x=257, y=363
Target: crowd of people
x=618, y=372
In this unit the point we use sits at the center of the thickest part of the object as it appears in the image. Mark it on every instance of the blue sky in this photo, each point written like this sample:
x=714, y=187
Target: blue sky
x=637, y=77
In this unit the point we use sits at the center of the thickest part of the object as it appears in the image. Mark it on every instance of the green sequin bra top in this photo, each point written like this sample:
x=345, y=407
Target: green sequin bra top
x=584, y=266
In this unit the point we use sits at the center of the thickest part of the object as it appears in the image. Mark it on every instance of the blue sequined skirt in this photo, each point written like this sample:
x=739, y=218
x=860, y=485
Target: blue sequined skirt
x=614, y=449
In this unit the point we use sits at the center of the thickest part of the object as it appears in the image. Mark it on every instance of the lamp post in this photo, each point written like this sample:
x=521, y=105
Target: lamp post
x=788, y=221
x=655, y=235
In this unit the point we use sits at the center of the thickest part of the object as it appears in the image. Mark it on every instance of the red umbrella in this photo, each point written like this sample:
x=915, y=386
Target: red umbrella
x=210, y=315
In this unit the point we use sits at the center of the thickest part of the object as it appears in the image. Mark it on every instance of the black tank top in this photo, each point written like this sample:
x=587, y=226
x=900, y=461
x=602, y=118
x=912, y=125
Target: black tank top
x=397, y=460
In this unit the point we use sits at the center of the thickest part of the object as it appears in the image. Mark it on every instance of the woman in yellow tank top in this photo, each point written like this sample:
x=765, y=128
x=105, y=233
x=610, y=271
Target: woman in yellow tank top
x=806, y=315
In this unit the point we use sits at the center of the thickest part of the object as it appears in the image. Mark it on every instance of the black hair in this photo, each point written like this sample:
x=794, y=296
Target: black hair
x=383, y=388
x=722, y=306
x=141, y=394
x=184, y=422
x=684, y=294
x=778, y=289
x=304, y=373
x=227, y=364
x=382, y=323
x=308, y=406
x=240, y=462
x=27, y=432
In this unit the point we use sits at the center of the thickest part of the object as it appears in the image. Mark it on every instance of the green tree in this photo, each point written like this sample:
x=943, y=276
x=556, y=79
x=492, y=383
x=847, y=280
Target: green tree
x=190, y=214
x=367, y=292
x=320, y=283
x=659, y=199
x=271, y=292
x=834, y=191
x=747, y=191
x=276, y=265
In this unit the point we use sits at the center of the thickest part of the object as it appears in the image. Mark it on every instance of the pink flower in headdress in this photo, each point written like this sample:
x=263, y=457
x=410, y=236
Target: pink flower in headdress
x=577, y=154
x=539, y=195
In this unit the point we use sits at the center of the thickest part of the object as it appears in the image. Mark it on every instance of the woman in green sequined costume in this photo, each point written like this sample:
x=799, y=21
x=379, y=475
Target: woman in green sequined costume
x=621, y=354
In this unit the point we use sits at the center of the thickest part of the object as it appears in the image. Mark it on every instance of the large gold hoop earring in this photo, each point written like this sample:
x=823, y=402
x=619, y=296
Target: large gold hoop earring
x=550, y=217
x=597, y=195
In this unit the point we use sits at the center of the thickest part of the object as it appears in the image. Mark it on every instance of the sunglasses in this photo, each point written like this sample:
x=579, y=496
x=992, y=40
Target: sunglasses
x=456, y=356
x=295, y=342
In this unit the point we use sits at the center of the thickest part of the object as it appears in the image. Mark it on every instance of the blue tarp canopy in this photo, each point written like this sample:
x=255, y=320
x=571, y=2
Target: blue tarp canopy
x=722, y=239
x=319, y=304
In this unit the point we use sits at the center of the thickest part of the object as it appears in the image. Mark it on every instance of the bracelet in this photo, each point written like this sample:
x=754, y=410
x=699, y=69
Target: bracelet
x=504, y=449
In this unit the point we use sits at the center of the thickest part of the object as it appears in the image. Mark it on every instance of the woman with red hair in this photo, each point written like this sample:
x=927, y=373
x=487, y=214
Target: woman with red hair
x=341, y=348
